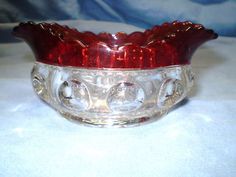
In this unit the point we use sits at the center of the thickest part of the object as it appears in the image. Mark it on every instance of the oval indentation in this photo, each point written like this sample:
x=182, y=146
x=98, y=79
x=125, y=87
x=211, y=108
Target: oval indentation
x=39, y=82
x=125, y=97
x=171, y=92
x=74, y=95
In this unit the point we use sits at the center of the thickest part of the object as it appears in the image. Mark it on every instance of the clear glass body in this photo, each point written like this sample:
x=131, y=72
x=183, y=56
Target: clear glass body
x=111, y=97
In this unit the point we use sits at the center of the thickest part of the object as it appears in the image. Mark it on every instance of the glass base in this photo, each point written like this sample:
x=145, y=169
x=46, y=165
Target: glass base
x=111, y=122
x=111, y=97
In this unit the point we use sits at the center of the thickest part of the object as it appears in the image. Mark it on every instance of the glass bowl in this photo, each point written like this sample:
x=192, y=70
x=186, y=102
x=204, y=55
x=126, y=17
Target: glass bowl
x=116, y=80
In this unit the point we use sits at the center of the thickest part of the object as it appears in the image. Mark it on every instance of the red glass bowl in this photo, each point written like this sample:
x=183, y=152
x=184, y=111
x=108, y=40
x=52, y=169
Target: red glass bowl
x=113, y=79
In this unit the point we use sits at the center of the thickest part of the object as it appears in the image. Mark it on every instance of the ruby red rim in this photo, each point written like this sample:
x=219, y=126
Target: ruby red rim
x=165, y=45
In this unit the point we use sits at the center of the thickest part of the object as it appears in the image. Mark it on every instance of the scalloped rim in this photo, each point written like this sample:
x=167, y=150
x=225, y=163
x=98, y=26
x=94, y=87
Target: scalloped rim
x=162, y=45
x=65, y=33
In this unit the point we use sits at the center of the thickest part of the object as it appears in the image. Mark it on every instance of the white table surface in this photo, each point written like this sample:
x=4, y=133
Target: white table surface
x=197, y=139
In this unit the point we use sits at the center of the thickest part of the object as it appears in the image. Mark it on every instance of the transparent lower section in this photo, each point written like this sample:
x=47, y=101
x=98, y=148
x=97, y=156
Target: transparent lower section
x=109, y=97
